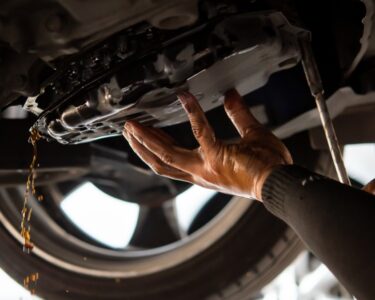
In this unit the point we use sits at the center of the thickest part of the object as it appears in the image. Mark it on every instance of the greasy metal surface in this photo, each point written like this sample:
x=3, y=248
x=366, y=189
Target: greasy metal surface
x=316, y=87
x=34, y=35
x=246, y=69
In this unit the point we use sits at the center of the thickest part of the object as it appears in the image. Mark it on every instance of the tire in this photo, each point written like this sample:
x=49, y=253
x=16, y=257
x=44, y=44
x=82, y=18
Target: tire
x=247, y=256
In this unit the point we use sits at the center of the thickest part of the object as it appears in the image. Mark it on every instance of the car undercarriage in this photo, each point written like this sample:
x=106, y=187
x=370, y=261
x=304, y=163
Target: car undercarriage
x=76, y=71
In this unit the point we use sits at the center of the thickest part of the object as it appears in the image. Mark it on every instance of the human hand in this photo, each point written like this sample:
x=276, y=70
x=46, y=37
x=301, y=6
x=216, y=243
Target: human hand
x=239, y=168
x=370, y=187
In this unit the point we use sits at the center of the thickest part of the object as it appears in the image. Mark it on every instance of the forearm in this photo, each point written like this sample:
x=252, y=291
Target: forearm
x=335, y=221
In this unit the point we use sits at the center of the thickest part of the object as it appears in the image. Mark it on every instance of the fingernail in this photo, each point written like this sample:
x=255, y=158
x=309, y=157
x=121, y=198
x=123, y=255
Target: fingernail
x=228, y=102
x=232, y=99
x=127, y=134
x=182, y=98
x=128, y=127
x=184, y=102
x=232, y=95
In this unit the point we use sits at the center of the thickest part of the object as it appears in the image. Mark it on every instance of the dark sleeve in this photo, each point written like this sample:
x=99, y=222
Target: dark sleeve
x=335, y=221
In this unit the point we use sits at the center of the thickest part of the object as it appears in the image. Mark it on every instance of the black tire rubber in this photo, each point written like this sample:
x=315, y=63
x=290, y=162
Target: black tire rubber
x=237, y=266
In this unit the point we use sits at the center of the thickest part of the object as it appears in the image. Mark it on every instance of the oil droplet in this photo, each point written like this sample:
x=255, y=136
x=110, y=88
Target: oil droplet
x=30, y=282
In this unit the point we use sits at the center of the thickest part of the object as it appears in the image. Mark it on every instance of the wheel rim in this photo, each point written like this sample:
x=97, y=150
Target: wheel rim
x=83, y=258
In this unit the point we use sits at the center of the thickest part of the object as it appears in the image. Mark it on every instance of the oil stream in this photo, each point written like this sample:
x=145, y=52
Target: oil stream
x=30, y=281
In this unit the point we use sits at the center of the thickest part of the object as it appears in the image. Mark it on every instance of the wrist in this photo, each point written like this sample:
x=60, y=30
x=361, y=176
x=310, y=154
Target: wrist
x=263, y=178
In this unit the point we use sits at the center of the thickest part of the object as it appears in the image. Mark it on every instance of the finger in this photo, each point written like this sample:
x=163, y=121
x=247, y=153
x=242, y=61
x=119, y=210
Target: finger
x=239, y=113
x=169, y=154
x=202, y=130
x=370, y=187
x=154, y=162
x=162, y=135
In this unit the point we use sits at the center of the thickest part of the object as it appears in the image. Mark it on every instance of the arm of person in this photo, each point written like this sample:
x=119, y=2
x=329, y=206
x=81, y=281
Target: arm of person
x=335, y=221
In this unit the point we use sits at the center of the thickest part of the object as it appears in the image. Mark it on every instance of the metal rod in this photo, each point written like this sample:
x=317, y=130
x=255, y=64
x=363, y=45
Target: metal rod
x=333, y=144
x=315, y=83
